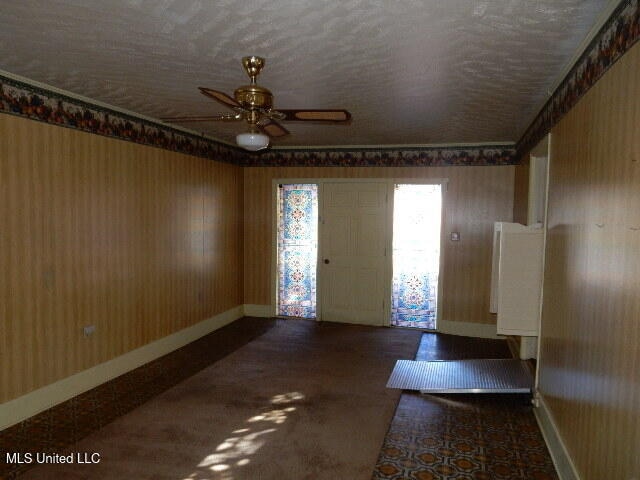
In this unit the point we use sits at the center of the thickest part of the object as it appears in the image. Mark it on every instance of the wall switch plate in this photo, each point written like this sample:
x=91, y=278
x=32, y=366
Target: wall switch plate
x=89, y=330
x=455, y=236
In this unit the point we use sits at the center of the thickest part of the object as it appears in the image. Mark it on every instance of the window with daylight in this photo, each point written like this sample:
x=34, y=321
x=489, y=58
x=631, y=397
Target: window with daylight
x=416, y=255
x=297, y=249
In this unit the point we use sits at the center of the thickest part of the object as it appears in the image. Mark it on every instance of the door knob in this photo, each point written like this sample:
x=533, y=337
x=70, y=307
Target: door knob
x=326, y=260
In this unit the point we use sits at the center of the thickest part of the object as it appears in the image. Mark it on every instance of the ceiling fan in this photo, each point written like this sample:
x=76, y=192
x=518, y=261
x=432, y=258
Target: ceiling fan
x=254, y=104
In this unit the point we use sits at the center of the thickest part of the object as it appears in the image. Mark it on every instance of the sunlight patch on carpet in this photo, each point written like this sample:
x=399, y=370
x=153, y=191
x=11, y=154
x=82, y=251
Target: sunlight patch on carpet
x=246, y=441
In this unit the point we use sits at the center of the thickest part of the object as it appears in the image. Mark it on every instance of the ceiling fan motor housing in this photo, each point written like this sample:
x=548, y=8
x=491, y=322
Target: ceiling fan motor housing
x=252, y=97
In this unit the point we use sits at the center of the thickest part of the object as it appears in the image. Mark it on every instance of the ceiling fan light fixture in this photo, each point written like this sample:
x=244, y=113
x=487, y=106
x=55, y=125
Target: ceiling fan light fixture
x=252, y=141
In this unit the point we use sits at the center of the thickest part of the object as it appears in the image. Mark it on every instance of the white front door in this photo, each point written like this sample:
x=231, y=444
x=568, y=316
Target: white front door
x=353, y=266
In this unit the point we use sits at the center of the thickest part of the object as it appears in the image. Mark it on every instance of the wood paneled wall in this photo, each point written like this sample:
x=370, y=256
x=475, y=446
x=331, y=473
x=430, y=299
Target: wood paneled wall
x=589, y=365
x=476, y=197
x=521, y=191
x=138, y=241
x=521, y=181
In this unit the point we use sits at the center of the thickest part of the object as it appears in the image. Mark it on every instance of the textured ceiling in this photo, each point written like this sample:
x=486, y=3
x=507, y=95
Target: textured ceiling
x=411, y=72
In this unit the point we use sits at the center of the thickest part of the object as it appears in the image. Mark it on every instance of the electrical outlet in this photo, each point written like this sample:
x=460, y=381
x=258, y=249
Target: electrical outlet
x=89, y=330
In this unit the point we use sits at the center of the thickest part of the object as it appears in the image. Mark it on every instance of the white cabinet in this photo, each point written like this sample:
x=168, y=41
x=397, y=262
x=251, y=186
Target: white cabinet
x=516, y=283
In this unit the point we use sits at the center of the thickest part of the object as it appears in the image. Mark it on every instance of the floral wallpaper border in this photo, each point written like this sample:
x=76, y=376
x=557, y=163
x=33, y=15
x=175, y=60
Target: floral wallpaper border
x=386, y=157
x=25, y=100
x=619, y=33
x=616, y=37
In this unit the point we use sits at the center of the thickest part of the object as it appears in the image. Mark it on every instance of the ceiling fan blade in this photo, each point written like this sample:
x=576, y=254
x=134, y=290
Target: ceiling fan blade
x=333, y=116
x=221, y=97
x=204, y=118
x=272, y=128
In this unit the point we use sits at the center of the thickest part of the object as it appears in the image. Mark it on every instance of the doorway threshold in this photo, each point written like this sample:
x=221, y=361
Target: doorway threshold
x=419, y=329
x=462, y=376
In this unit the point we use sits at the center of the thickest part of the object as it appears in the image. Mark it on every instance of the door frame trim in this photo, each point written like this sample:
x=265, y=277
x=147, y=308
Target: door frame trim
x=274, y=241
x=390, y=182
x=444, y=184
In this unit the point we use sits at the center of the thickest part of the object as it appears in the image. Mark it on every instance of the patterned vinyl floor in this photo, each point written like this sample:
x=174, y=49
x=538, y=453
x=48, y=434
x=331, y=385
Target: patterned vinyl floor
x=463, y=436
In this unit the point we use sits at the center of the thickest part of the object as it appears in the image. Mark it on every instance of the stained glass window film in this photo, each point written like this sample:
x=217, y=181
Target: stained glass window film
x=297, y=249
x=416, y=255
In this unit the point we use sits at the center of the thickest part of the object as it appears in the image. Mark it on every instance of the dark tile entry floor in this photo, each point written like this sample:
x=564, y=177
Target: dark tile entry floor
x=463, y=436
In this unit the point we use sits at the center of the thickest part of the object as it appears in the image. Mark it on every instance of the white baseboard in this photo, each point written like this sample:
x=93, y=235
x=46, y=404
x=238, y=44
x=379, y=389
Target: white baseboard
x=259, y=310
x=558, y=450
x=34, y=402
x=528, y=347
x=468, y=329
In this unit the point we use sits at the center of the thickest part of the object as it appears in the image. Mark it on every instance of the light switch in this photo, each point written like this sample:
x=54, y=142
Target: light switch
x=89, y=330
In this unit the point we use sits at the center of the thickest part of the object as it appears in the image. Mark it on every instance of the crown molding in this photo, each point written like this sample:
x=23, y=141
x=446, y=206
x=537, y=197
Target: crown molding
x=396, y=146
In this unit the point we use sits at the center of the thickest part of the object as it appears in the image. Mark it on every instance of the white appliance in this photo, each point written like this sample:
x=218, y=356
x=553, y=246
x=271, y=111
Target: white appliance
x=516, y=278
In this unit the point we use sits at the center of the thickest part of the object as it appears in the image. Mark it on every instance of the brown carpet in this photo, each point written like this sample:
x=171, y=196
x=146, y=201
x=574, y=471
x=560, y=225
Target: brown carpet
x=302, y=401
